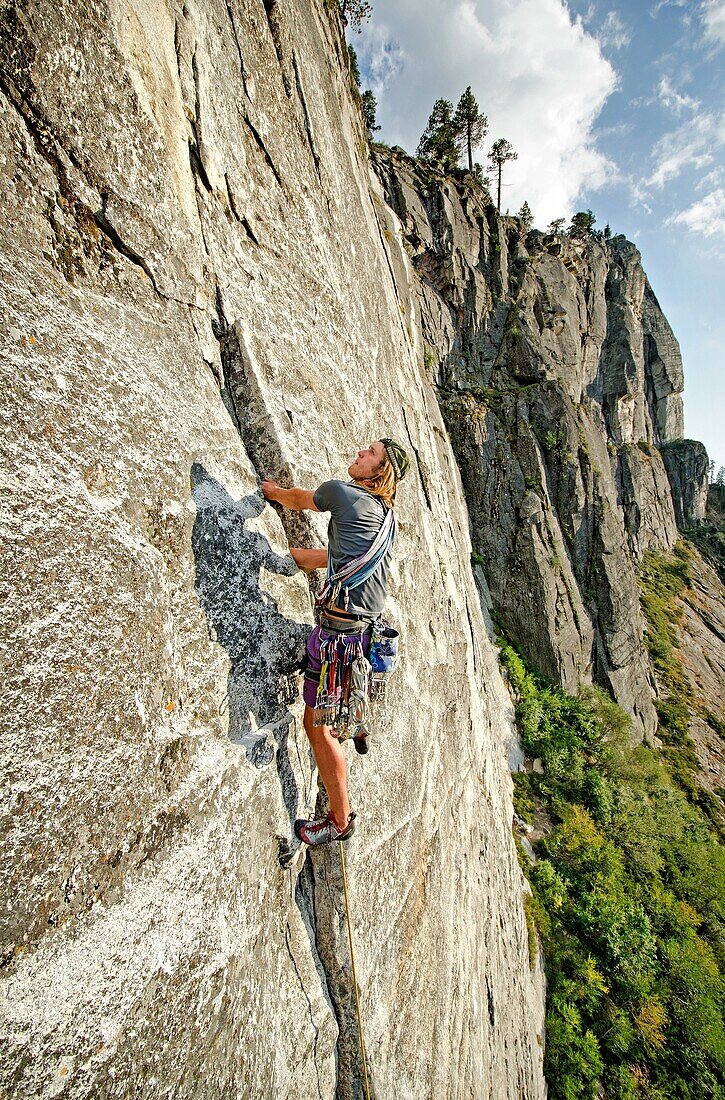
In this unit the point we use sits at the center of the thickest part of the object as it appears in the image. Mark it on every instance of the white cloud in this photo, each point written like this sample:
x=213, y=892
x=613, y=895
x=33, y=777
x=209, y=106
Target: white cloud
x=535, y=71
x=713, y=179
x=713, y=19
x=672, y=99
x=657, y=8
x=706, y=217
x=640, y=195
x=613, y=32
x=691, y=145
x=383, y=58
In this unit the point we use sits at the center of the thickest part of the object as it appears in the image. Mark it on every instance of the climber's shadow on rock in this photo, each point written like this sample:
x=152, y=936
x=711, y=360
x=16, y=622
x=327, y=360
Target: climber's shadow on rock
x=265, y=648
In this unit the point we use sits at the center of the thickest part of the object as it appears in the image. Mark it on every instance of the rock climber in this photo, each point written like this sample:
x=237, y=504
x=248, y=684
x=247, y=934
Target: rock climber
x=359, y=518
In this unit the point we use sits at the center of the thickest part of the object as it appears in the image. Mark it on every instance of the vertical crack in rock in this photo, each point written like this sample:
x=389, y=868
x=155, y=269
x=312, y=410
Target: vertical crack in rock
x=220, y=328
x=119, y=244
x=421, y=470
x=384, y=245
x=196, y=162
x=270, y=10
x=244, y=222
x=323, y=900
x=306, y=114
x=309, y=1006
x=247, y=79
x=265, y=152
x=257, y=425
x=305, y=902
x=195, y=147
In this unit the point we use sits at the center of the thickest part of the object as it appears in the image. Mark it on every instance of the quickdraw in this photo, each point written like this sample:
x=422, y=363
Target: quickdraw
x=343, y=691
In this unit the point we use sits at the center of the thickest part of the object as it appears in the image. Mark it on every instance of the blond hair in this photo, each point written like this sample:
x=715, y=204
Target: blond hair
x=382, y=483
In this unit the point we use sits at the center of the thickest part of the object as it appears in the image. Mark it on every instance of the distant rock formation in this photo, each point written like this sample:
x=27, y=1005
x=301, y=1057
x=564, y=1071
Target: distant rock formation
x=559, y=378
x=687, y=467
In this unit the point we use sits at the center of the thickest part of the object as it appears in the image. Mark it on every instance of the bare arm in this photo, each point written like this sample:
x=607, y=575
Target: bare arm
x=298, y=500
x=309, y=559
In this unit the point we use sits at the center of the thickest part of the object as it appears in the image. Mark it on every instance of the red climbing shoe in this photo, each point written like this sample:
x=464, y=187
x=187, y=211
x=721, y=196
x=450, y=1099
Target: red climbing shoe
x=361, y=743
x=323, y=830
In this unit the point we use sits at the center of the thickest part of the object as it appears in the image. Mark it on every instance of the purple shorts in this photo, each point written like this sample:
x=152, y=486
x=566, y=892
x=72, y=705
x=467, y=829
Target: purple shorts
x=314, y=664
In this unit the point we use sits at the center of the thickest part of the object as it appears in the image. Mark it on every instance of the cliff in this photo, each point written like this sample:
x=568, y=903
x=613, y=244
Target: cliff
x=206, y=283
x=200, y=288
x=559, y=379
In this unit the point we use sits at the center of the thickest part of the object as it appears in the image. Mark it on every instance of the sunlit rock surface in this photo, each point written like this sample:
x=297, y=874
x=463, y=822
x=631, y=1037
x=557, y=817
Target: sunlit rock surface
x=199, y=289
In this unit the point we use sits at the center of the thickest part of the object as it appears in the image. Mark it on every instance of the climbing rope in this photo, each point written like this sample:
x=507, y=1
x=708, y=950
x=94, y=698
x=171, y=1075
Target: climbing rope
x=354, y=975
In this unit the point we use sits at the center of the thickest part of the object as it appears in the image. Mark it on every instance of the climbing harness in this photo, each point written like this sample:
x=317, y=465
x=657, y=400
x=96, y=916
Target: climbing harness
x=343, y=691
x=354, y=975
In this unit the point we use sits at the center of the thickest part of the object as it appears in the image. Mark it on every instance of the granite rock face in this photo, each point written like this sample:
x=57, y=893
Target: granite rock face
x=688, y=470
x=701, y=651
x=559, y=378
x=203, y=285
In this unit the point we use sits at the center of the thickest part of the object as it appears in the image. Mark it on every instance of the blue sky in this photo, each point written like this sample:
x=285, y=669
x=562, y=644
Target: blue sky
x=613, y=108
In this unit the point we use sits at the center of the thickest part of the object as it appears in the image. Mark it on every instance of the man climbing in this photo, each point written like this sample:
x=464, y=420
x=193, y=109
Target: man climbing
x=360, y=534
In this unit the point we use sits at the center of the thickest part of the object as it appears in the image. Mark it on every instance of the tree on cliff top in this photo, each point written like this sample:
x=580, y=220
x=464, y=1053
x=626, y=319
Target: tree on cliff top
x=500, y=152
x=470, y=124
x=438, y=146
x=354, y=66
x=353, y=12
x=526, y=217
x=582, y=224
x=369, y=110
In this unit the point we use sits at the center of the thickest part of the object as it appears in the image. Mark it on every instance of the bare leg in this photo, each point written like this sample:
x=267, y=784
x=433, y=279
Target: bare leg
x=330, y=761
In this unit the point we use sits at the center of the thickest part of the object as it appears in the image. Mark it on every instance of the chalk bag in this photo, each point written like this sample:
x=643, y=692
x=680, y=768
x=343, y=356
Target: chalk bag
x=383, y=654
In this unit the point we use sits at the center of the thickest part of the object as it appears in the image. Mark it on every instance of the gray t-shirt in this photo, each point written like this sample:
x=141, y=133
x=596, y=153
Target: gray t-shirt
x=356, y=519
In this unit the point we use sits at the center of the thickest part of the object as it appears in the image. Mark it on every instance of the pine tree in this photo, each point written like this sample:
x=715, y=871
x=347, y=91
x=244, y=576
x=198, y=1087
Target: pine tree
x=555, y=226
x=500, y=152
x=437, y=146
x=470, y=124
x=526, y=217
x=582, y=224
x=607, y=231
x=353, y=12
x=354, y=67
x=485, y=181
x=369, y=109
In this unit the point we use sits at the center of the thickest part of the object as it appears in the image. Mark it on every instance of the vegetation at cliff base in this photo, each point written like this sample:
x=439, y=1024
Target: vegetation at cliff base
x=662, y=579
x=709, y=536
x=629, y=899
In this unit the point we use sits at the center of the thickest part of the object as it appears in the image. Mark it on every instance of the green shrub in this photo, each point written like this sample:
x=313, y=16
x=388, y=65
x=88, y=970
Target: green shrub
x=628, y=898
x=529, y=907
x=524, y=802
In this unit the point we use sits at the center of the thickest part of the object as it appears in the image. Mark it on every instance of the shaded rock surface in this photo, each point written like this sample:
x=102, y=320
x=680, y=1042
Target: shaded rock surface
x=200, y=288
x=688, y=470
x=701, y=648
x=558, y=377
